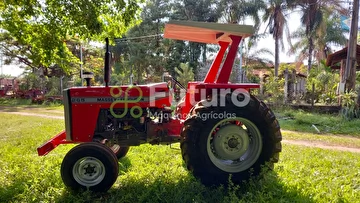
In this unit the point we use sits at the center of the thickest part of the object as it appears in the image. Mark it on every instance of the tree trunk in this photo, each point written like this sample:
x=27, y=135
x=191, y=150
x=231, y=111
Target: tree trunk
x=351, y=80
x=204, y=53
x=311, y=48
x=276, y=68
x=277, y=35
x=139, y=74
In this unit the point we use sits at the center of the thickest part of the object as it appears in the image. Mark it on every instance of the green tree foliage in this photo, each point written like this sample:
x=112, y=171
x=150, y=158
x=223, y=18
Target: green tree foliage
x=31, y=81
x=143, y=52
x=274, y=89
x=201, y=10
x=326, y=83
x=350, y=109
x=5, y=76
x=46, y=34
x=34, y=31
x=234, y=11
x=184, y=73
x=329, y=33
x=292, y=66
x=313, y=17
x=49, y=85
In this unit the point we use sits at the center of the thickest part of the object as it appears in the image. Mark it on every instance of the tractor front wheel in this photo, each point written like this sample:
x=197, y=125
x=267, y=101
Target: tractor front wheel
x=91, y=166
x=219, y=141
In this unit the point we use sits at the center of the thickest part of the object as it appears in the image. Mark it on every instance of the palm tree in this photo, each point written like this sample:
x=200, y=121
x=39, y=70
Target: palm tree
x=235, y=11
x=199, y=10
x=329, y=32
x=275, y=14
x=313, y=12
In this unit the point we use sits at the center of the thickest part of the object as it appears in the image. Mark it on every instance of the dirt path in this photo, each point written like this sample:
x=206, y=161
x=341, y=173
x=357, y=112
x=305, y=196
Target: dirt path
x=35, y=114
x=320, y=145
x=316, y=144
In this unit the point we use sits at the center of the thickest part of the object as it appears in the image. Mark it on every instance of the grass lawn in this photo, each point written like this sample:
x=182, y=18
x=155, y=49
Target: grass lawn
x=26, y=103
x=303, y=121
x=157, y=174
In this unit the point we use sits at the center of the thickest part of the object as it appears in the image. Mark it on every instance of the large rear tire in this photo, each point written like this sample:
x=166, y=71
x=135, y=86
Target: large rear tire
x=91, y=166
x=219, y=141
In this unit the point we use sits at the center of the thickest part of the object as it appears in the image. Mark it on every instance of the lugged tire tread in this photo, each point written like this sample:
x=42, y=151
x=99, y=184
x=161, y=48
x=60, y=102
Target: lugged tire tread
x=193, y=158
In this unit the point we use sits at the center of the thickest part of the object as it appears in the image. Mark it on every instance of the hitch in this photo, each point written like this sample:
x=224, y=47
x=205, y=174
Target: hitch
x=53, y=143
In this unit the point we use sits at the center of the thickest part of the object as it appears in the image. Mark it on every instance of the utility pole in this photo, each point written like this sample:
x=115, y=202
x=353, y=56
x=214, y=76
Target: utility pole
x=350, y=70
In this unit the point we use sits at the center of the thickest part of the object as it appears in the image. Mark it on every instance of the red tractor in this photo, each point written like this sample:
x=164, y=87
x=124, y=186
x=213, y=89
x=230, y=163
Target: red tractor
x=221, y=127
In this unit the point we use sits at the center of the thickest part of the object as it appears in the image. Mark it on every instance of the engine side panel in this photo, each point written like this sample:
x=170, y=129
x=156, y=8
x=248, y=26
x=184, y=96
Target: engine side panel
x=86, y=102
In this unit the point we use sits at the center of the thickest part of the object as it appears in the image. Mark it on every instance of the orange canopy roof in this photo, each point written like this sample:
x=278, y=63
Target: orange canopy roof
x=205, y=32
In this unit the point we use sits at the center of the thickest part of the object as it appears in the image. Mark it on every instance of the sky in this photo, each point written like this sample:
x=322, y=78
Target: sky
x=12, y=70
x=293, y=23
x=268, y=42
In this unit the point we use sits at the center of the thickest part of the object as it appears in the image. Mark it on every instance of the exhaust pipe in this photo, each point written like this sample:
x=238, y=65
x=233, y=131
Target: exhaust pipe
x=107, y=64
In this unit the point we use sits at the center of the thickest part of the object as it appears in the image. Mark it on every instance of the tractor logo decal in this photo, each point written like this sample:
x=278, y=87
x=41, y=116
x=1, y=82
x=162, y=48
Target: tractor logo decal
x=77, y=100
x=135, y=111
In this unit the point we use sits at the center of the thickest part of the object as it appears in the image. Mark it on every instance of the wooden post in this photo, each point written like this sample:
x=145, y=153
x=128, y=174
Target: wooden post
x=293, y=84
x=342, y=76
x=296, y=88
x=351, y=80
x=341, y=87
x=262, y=84
x=312, y=95
x=286, y=91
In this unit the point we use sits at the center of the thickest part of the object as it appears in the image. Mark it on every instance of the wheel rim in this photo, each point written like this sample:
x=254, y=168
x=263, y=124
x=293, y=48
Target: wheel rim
x=88, y=171
x=234, y=144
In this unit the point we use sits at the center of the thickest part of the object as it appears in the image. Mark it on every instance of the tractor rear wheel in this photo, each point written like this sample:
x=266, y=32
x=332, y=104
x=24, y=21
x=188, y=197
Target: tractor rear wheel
x=91, y=166
x=219, y=141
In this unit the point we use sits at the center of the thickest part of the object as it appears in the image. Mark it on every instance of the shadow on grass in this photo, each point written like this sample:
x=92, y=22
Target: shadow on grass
x=188, y=189
x=124, y=165
x=21, y=188
x=8, y=192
